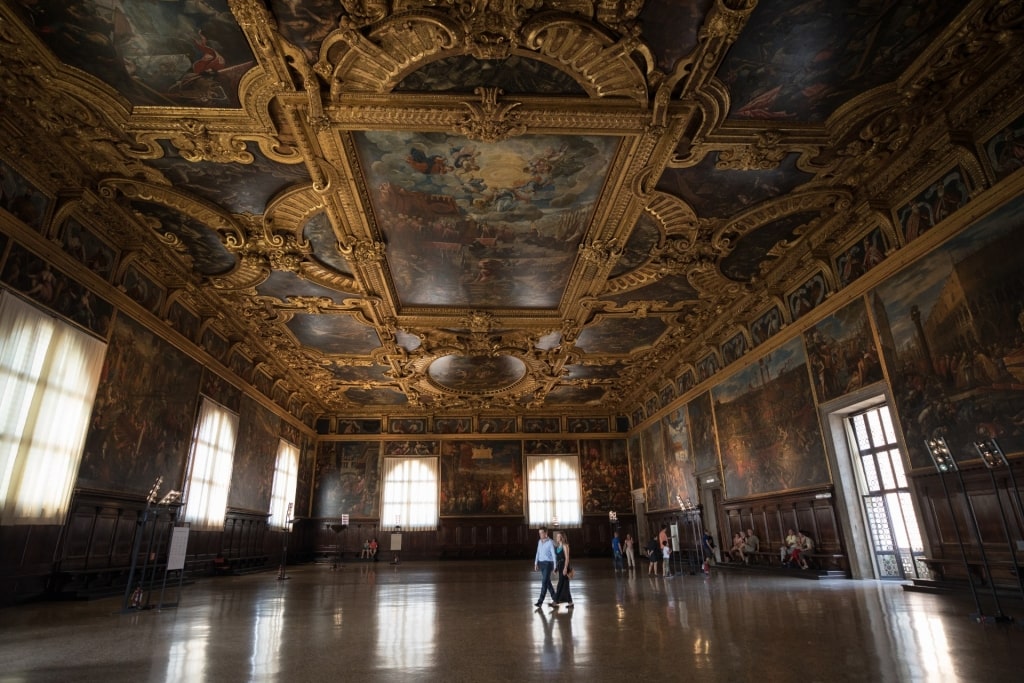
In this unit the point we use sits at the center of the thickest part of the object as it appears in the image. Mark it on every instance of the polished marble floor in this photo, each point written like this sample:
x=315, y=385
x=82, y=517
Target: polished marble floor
x=475, y=621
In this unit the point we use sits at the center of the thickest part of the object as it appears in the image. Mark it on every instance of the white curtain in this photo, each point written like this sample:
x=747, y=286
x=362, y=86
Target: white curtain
x=553, y=489
x=286, y=474
x=49, y=372
x=210, y=465
x=409, y=494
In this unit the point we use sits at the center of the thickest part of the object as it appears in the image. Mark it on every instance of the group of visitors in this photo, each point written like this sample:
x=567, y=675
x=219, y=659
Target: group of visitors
x=744, y=546
x=795, y=547
x=369, y=551
x=553, y=556
x=623, y=549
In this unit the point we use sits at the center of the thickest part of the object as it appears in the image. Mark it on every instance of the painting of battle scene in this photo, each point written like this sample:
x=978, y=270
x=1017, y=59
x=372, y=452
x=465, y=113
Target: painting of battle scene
x=481, y=224
x=766, y=418
x=702, y=433
x=952, y=331
x=652, y=446
x=604, y=468
x=346, y=480
x=143, y=416
x=932, y=205
x=821, y=53
x=679, y=480
x=154, y=53
x=842, y=353
x=255, y=457
x=481, y=478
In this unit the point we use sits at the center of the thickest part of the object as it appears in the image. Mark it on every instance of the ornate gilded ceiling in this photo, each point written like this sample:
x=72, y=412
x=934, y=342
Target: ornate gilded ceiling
x=442, y=205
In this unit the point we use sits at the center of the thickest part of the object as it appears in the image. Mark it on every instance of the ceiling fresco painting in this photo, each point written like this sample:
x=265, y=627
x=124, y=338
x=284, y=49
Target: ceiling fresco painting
x=209, y=255
x=670, y=28
x=718, y=192
x=620, y=335
x=245, y=187
x=753, y=249
x=282, y=284
x=801, y=59
x=422, y=209
x=318, y=232
x=483, y=225
x=642, y=240
x=154, y=53
x=334, y=334
x=513, y=75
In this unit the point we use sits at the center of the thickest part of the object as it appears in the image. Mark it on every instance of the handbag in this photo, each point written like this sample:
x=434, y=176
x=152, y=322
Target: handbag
x=572, y=573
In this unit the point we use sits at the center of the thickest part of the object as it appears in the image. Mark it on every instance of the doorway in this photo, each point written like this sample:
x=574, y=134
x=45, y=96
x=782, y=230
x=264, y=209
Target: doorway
x=892, y=527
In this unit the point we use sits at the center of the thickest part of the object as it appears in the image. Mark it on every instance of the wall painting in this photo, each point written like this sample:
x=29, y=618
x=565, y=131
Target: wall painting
x=768, y=428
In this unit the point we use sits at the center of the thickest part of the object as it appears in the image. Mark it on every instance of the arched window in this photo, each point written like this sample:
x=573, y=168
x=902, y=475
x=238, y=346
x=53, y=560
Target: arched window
x=409, y=497
x=553, y=488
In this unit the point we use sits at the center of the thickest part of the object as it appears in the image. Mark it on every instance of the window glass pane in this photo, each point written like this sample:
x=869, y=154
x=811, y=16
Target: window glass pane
x=875, y=425
x=888, y=481
x=890, y=433
x=897, y=465
x=860, y=433
x=870, y=473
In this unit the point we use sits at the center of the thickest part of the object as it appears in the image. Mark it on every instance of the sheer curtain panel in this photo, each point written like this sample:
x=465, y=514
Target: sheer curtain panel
x=49, y=372
x=210, y=464
x=410, y=498
x=286, y=474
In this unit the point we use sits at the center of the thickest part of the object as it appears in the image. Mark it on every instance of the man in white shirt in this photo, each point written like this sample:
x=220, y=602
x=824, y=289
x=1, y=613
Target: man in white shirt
x=544, y=561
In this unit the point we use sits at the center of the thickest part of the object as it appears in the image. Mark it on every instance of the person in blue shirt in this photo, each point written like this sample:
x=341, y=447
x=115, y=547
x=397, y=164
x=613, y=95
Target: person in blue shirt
x=544, y=561
x=617, y=551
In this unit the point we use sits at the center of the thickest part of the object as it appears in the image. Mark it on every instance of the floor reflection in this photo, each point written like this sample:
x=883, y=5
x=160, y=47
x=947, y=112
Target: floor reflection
x=475, y=621
x=406, y=627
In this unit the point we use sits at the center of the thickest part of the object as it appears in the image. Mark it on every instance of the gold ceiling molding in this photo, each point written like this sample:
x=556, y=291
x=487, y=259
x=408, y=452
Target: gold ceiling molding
x=374, y=49
x=489, y=121
x=726, y=237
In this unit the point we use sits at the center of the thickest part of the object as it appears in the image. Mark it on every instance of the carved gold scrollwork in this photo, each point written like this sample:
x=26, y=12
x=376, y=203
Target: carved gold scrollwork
x=364, y=251
x=766, y=153
x=488, y=120
x=195, y=142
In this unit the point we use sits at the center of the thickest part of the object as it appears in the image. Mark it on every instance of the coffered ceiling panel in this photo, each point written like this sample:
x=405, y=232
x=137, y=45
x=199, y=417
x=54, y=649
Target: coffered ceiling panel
x=424, y=206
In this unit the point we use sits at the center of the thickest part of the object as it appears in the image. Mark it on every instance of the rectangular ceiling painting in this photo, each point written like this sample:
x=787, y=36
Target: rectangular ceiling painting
x=483, y=224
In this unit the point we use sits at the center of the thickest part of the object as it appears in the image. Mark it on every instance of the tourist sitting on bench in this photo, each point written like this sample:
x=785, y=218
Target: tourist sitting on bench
x=805, y=546
x=220, y=565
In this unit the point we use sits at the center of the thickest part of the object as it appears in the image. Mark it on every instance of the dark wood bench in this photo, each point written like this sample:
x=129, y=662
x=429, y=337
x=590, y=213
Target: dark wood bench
x=976, y=568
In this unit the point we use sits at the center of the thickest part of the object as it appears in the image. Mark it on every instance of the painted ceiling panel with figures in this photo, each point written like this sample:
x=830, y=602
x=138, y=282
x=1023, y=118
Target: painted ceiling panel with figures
x=419, y=206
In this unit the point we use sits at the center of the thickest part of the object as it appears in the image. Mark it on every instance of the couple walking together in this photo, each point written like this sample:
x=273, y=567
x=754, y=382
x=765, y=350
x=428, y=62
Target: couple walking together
x=553, y=556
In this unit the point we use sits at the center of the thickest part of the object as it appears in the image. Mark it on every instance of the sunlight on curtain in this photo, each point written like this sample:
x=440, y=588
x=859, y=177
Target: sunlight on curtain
x=410, y=494
x=49, y=372
x=286, y=474
x=210, y=463
x=553, y=488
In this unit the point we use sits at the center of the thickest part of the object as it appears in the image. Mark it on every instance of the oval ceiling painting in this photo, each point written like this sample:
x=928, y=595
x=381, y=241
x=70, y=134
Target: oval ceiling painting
x=477, y=374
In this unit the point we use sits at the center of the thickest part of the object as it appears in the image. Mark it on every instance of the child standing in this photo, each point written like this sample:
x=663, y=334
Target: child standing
x=666, y=557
